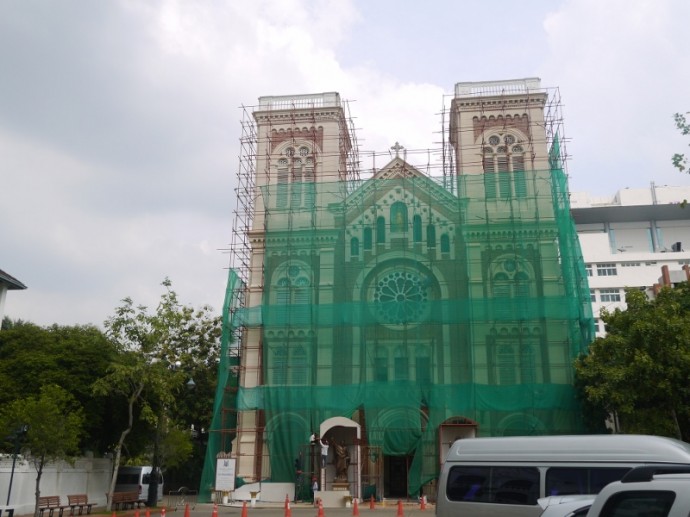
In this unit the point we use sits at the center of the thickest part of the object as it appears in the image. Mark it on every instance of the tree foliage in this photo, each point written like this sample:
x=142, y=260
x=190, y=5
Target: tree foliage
x=680, y=161
x=70, y=356
x=160, y=353
x=638, y=373
x=54, y=421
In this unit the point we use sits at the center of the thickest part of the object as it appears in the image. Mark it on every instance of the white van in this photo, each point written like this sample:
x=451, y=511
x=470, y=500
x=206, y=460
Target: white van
x=130, y=479
x=506, y=476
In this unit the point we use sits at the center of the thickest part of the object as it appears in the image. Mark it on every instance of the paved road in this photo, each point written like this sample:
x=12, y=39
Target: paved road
x=297, y=510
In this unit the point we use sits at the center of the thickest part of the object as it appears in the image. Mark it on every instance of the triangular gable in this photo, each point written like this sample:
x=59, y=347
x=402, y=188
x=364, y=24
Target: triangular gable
x=398, y=169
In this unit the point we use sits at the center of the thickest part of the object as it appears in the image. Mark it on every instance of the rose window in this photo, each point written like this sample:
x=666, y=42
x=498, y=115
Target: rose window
x=401, y=297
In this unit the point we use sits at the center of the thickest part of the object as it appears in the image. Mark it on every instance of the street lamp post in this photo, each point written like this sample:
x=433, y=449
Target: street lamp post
x=18, y=433
x=152, y=496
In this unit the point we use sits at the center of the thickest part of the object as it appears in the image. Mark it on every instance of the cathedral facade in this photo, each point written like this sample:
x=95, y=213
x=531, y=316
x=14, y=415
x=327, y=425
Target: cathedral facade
x=393, y=312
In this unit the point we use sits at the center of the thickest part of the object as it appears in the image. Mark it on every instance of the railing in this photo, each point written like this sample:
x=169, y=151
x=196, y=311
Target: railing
x=287, y=102
x=505, y=87
x=182, y=497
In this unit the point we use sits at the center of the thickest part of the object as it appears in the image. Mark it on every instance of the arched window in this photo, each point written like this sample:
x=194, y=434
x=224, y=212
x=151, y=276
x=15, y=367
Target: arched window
x=511, y=277
x=398, y=217
x=417, y=228
x=445, y=243
x=292, y=293
x=367, y=238
x=296, y=179
x=354, y=247
x=380, y=230
x=431, y=236
x=503, y=161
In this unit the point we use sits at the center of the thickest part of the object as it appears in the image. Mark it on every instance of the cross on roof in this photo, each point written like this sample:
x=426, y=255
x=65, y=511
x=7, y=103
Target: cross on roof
x=397, y=148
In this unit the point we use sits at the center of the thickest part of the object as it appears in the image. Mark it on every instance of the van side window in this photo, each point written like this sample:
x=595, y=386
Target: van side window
x=576, y=480
x=642, y=503
x=502, y=485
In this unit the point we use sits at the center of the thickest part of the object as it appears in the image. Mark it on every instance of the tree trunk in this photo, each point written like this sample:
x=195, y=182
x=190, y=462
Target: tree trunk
x=118, y=447
x=39, y=473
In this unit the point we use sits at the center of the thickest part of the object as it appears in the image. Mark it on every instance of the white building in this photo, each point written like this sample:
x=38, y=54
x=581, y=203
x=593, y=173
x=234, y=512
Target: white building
x=627, y=240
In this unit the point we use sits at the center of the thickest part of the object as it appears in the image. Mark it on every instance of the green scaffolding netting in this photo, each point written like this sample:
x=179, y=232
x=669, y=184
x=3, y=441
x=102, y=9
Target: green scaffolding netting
x=406, y=302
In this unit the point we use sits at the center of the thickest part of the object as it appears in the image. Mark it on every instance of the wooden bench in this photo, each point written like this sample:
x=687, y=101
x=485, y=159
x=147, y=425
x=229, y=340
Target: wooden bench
x=124, y=500
x=79, y=501
x=50, y=503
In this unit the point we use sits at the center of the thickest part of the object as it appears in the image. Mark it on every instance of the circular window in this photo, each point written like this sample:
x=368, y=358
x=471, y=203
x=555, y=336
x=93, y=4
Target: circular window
x=509, y=139
x=494, y=140
x=303, y=151
x=401, y=298
x=289, y=151
x=517, y=148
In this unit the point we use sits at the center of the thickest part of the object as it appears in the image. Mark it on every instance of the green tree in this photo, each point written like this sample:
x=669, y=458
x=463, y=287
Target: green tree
x=70, y=356
x=160, y=353
x=637, y=374
x=54, y=421
x=680, y=161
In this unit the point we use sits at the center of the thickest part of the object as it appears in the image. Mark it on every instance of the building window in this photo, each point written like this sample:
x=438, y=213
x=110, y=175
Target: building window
x=401, y=365
x=279, y=366
x=610, y=295
x=503, y=161
x=588, y=268
x=430, y=236
x=398, y=217
x=295, y=179
x=367, y=238
x=423, y=366
x=606, y=270
x=592, y=295
x=381, y=365
x=354, y=246
x=380, y=230
x=288, y=364
x=417, y=228
x=292, y=294
x=506, y=365
x=445, y=243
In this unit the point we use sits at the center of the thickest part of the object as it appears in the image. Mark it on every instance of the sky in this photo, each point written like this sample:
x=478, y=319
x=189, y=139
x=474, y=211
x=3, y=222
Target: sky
x=120, y=119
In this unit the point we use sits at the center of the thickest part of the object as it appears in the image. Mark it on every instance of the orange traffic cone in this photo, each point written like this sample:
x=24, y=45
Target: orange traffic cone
x=355, y=508
x=114, y=514
x=372, y=503
x=136, y=512
x=288, y=511
x=163, y=512
x=186, y=511
x=400, y=510
x=422, y=505
x=215, y=510
x=320, y=512
x=244, y=509
x=148, y=513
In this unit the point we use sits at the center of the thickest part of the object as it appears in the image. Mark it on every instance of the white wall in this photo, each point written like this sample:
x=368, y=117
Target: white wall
x=89, y=476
